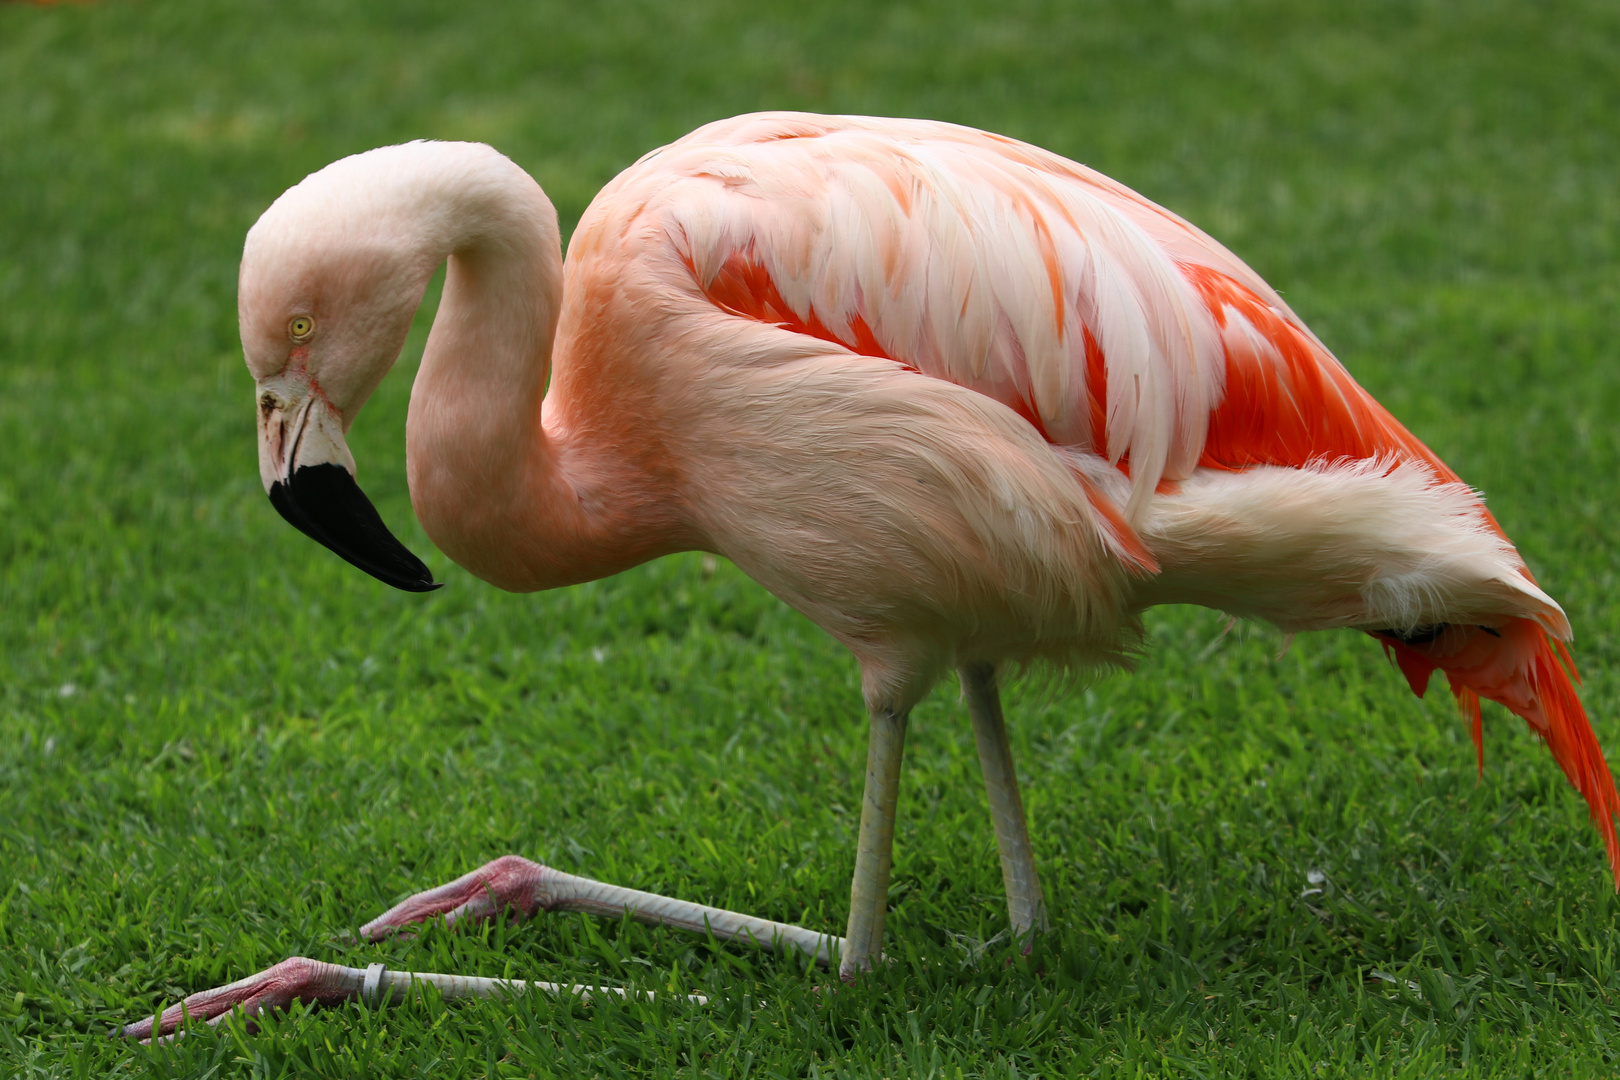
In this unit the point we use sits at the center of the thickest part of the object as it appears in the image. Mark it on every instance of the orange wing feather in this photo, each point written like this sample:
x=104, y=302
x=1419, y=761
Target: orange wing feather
x=1297, y=404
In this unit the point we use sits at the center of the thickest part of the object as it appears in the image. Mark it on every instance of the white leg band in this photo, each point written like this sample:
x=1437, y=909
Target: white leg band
x=371, y=986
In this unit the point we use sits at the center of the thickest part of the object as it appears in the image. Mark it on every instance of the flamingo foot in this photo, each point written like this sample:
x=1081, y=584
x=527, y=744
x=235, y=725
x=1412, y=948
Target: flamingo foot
x=509, y=883
x=297, y=978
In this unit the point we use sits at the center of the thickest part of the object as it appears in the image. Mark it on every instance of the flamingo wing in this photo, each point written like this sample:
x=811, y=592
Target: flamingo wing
x=1106, y=321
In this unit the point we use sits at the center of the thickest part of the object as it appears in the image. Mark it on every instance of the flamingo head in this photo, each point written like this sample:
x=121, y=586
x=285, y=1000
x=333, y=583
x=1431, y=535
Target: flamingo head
x=325, y=298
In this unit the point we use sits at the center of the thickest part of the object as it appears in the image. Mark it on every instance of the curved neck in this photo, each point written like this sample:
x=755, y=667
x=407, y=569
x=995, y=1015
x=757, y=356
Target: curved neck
x=506, y=494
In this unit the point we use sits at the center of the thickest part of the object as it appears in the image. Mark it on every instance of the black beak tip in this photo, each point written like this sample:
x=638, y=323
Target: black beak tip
x=324, y=503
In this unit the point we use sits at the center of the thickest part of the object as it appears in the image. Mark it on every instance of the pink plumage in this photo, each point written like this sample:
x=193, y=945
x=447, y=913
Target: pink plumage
x=959, y=400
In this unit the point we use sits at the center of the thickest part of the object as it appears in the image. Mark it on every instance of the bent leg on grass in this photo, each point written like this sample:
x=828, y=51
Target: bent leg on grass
x=300, y=979
x=524, y=888
x=513, y=883
x=508, y=884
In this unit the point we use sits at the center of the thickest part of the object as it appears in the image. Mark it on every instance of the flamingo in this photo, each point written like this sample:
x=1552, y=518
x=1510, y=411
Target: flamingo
x=962, y=402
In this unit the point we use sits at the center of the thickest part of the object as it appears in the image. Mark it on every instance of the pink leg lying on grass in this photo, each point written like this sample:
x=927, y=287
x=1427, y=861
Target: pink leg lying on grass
x=510, y=883
x=523, y=887
x=514, y=884
x=304, y=980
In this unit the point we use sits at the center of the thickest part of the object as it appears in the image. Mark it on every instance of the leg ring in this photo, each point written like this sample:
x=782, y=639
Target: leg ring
x=371, y=987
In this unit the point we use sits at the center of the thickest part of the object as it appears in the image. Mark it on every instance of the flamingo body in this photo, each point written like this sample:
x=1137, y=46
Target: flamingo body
x=959, y=400
x=1177, y=433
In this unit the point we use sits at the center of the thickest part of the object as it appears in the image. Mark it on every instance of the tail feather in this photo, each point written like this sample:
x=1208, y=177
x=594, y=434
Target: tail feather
x=1518, y=666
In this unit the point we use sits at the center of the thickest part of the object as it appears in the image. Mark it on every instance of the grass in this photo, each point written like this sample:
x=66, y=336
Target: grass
x=220, y=746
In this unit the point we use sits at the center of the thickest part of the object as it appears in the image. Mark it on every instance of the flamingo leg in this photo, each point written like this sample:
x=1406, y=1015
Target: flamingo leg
x=299, y=978
x=515, y=885
x=874, y=853
x=1025, y=908
x=510, y=884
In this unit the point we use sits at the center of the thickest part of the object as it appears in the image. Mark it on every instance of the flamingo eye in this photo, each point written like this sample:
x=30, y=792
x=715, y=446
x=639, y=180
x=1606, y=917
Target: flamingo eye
x=300, y=327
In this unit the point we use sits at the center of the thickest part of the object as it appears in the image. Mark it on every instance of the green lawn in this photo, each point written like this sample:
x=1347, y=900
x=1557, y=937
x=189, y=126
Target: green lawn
x=220, y=746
